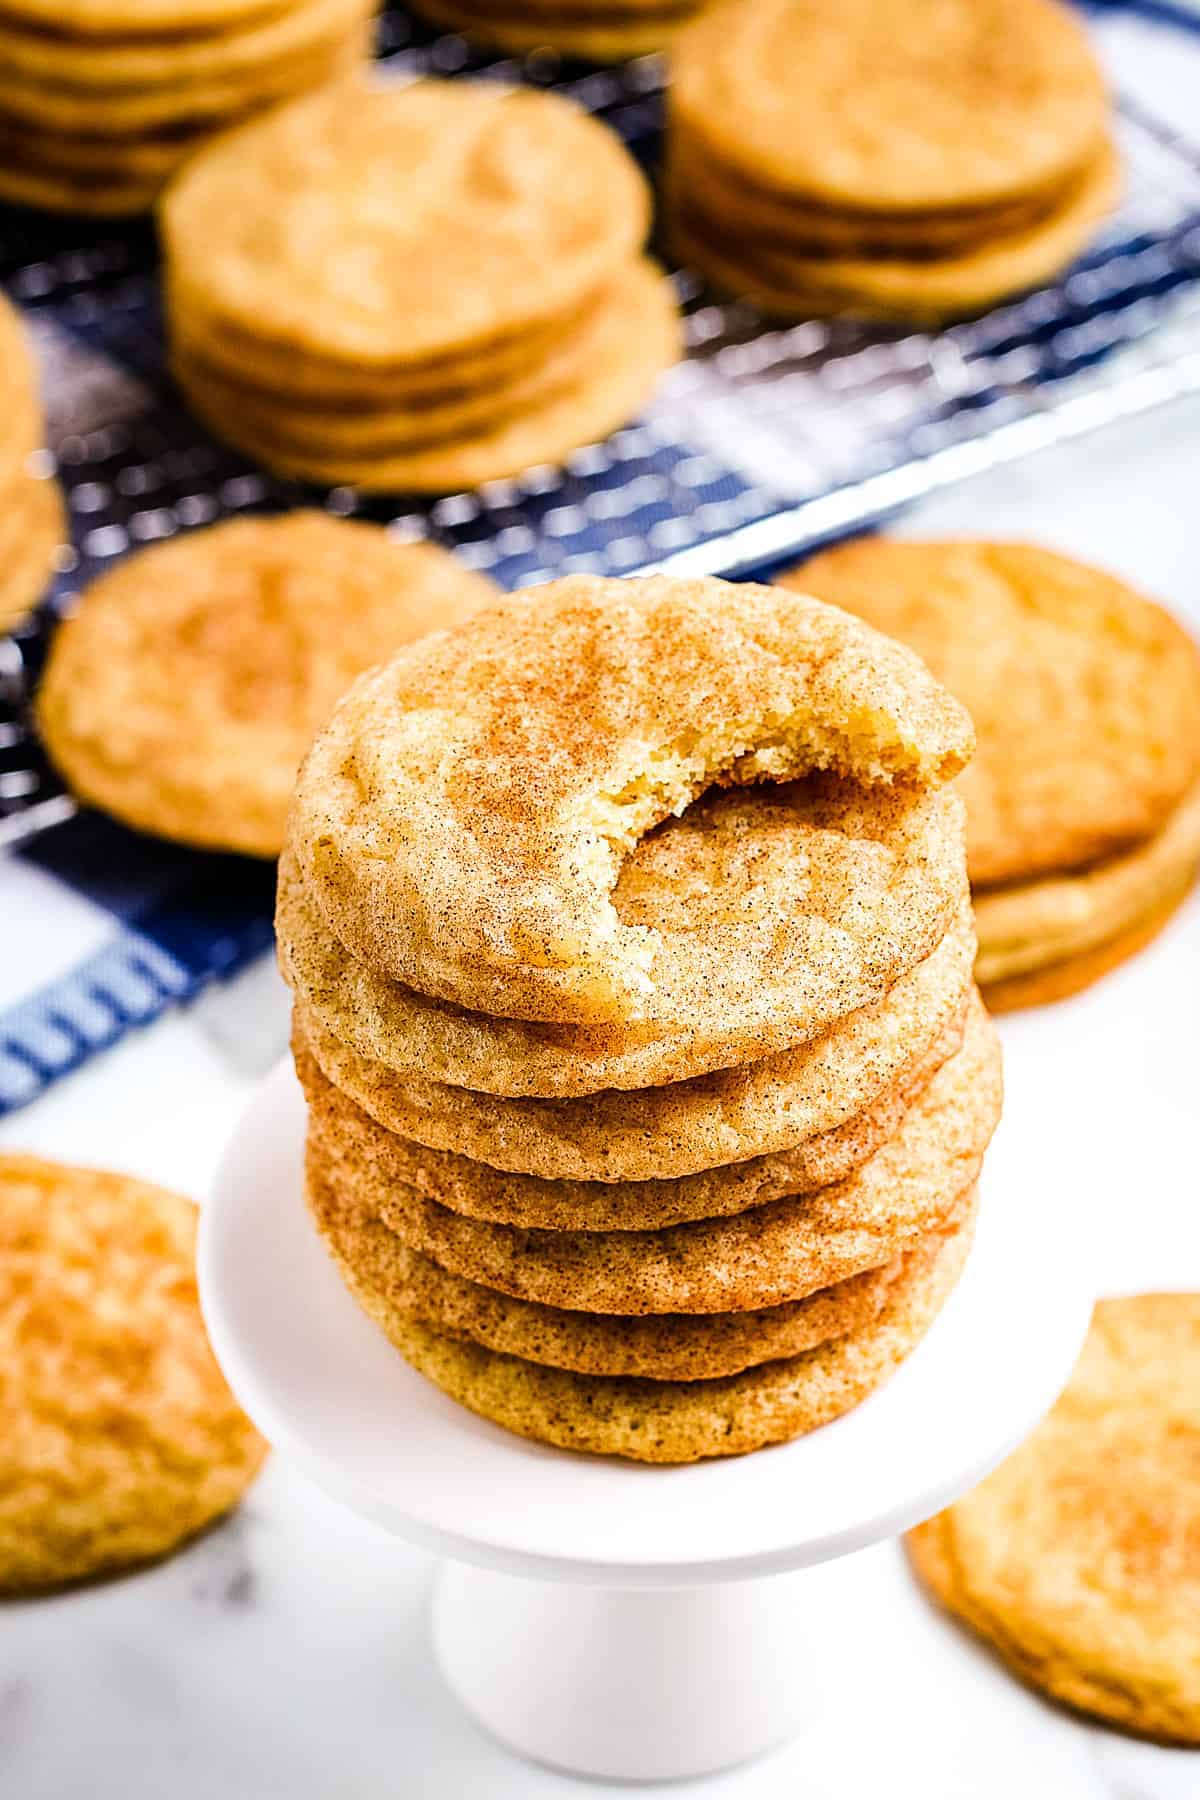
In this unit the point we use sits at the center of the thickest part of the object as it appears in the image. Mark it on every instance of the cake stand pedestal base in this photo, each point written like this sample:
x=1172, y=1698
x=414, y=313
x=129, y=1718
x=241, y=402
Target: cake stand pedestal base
x=632, y=1684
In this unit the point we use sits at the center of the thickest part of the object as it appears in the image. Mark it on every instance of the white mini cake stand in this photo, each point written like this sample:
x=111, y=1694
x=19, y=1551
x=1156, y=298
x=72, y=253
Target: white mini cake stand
x=599, y=1616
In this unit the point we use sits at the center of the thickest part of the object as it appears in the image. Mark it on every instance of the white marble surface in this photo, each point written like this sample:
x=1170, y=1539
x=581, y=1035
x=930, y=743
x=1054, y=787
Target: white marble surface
x=287, y=1653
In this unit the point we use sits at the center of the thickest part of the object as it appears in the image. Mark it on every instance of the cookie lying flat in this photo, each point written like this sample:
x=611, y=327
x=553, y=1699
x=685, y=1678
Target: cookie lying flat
x=104, y=18
x=299, y=334
x=660, y=1347
x=413, y=423
x=533, y=1203
x=636, y=338
x=777, y=1252
x=733, y=1114
x=333, y=385
x=184, y=692
x=37, y=514
x=598, y=31
x=956, y=103
x=97, y=113
x=685, y=1421
x=121, y=1439
x=1085, y=696
x=810, y=226
x=32, y=518
x=869, y=881
x=134, y=69
x=1058, y=981
x=954, y=151
x=293, y=227
x=503, y=772
x=1037, y=924
x=784, y=283
x=104, y=145
x=1078, y=1559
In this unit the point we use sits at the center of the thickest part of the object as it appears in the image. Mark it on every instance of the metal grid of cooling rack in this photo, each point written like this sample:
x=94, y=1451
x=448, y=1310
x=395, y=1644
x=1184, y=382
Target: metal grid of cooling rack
x=762, y=442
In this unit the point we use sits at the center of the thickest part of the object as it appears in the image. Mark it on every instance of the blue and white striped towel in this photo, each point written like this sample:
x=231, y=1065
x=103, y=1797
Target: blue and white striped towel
x=102, y=930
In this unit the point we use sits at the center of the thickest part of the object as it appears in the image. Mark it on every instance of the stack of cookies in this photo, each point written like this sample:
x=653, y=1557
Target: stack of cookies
x=32, y=522
x=598, y=30
x=417, y=287
x=101, y=100
x=1083, y=803
x=628, y=930
x=914, y=161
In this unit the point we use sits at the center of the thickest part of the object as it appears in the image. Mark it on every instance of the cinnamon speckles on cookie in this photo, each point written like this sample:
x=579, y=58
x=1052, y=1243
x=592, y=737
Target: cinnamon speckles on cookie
x=183, y=693
x=102, y=101
x=463, y=821
x=953, y=151
x=299, y=334
x=1083, y=802
x=1078, y=1560
x=631, y=948
x=121, y=1439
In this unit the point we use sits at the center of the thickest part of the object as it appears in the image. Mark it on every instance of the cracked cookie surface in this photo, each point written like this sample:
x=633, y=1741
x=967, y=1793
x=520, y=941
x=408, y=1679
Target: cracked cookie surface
x=121, y=1438
x=183, y=693
x=1078, y=1560
x=462, y=822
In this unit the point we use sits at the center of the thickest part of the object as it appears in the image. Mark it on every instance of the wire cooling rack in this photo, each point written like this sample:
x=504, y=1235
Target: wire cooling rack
x=764, y=441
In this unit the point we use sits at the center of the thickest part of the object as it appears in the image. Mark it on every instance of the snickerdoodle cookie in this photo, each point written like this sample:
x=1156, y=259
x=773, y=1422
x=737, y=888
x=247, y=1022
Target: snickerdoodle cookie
x=99, y=106
x=1083, y=802
x=949, y=156
x=462, y=822
x=1059, y=980
x=121, y=1439
x=476, y=436
x=684, y=1421
x=480, y=1191
x=32, y=519
x=183, y=693
x=598, y=30
x=299, y=333
x=1079, y=1559
x=779, y=1251
x=661, y=1346
x=753, y=1109
x=867, y=881
x=104, y=18
x=1085, y=696
x=784, y=283
x=1039, y=925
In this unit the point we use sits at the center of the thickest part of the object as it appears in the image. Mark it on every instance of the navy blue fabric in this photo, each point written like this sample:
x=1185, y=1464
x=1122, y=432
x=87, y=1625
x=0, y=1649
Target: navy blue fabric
x=185, y=918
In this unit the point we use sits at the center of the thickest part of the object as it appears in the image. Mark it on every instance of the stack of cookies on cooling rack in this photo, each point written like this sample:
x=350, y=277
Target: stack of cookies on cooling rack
x=1083, y=802
x=32, y=522
x=607, y=32
x=417, y=287
x=628, y=929
x=101, y=100
x=916, y=160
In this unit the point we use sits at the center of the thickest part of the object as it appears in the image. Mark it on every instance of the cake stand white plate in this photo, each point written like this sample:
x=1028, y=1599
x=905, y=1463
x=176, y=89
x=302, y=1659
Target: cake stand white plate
x=600, y=1616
